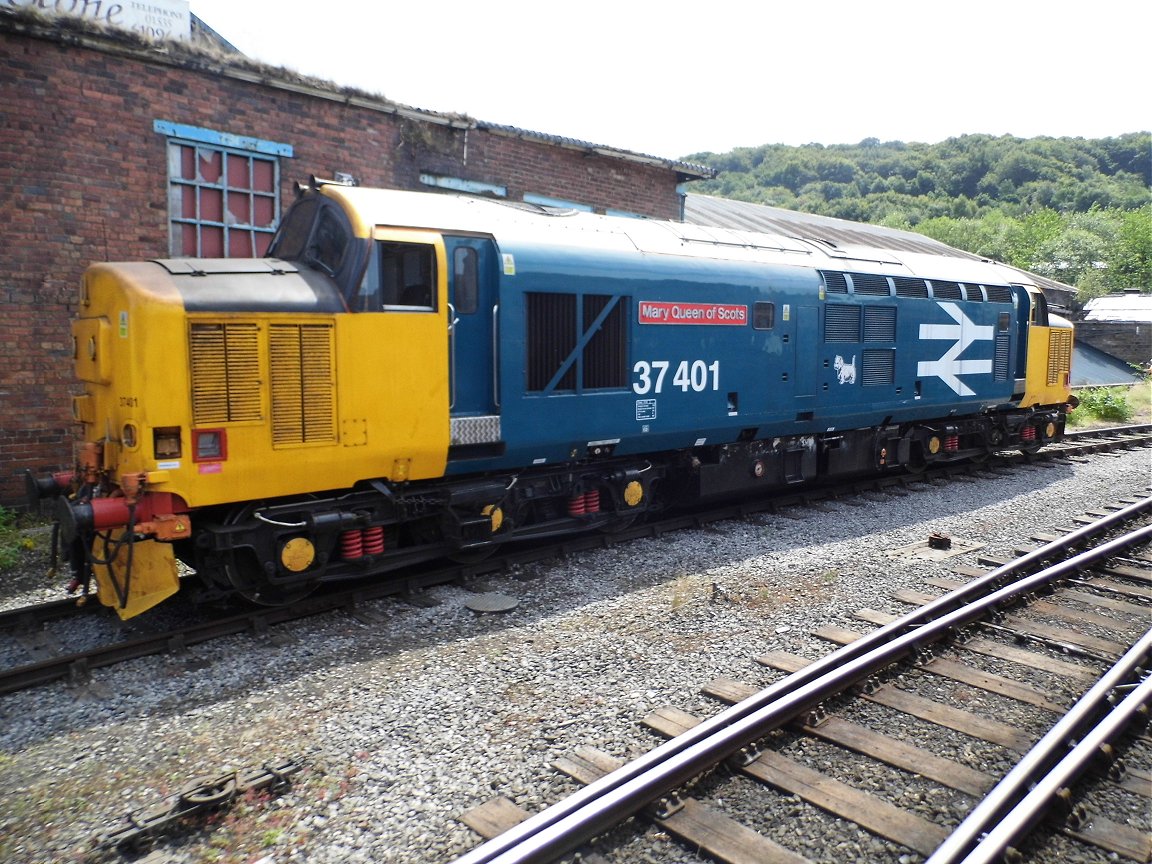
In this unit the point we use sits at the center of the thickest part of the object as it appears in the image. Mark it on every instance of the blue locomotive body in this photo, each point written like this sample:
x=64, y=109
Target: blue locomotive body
x=414, y=375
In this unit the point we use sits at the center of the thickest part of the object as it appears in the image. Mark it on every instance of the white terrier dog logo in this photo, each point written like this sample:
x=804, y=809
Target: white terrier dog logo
x=845, y=372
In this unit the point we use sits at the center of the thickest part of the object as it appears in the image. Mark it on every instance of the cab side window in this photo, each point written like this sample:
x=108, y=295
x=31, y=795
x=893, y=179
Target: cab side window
x=407, y=275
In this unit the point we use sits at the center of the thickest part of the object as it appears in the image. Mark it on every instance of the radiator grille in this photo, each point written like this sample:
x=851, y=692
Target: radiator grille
x=551, y=333
x=1059, y=354
x=302, y=383
x=225, y=366
x=974, y=294
x=878, y=366
x=841, y=323
x=557, y=323
x=998, y=293
x=868, y=283
x=908, y=287
x=834, y=283
x=605, y=364
x=880, y=324
x=944, y=290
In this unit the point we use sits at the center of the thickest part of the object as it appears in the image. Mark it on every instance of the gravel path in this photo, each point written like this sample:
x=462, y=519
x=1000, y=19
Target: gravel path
x=408, y=715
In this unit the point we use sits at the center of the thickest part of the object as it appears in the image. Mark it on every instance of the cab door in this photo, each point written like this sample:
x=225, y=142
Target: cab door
x=472, y=346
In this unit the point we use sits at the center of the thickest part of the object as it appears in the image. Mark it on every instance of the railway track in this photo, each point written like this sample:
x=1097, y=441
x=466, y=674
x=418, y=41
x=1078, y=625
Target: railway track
x=1067, y=620
x=53, y=657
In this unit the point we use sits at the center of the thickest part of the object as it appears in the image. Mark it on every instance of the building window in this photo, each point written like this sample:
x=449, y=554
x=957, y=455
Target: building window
x=223, y=192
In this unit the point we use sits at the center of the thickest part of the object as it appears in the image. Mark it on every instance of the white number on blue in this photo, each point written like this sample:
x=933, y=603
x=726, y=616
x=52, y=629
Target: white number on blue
x=696, y=376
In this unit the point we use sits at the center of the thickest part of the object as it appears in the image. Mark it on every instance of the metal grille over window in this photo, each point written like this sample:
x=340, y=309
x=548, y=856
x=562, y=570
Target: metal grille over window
x=302, y=384
x=974, y=294
x=868, y=283
x=225, y=373
x=878, y=366
x=841, y=323
x=222, y=203
x=880, y=324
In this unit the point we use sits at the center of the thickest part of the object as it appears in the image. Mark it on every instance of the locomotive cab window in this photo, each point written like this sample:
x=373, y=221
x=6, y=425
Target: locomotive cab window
x=407, y=275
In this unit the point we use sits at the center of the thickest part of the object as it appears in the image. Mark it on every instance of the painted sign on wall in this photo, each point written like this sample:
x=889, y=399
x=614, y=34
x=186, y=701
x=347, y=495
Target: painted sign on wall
x=156, y=19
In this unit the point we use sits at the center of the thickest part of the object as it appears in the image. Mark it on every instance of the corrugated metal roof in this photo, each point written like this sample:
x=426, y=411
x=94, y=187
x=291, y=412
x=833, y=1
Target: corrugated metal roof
x=1119, y=307
x=726, y=213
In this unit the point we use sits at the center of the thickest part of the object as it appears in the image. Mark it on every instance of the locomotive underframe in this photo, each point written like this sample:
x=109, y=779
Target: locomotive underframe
x=252, y=550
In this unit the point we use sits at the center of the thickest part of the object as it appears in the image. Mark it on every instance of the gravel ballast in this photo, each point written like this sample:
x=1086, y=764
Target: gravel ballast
x=405, y=715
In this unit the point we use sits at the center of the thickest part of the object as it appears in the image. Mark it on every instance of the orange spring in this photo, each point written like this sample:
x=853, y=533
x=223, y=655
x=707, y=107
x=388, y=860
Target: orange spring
x=374, y=540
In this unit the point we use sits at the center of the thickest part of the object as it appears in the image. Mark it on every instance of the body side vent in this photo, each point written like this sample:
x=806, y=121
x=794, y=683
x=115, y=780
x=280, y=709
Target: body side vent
x=880, y=324
x=908, y=287
x=841, y=323
x=303, y=384
x=878, y=367
x=225, y=368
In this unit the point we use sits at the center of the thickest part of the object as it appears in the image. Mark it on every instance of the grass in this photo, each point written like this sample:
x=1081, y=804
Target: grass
x=1112, y=406
x=14, y=539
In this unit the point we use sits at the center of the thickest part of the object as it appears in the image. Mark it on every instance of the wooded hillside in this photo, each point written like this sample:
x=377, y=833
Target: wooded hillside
x=1074, y=209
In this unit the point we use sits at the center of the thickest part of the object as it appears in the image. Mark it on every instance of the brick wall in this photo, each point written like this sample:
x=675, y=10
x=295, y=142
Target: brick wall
x=83, y=178
x=1131, y=341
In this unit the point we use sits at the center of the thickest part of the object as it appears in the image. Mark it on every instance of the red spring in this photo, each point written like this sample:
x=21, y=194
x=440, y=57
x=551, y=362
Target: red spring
x=576, y=506
x=352, y=544
x=592, y=501
x=952, y=443
x=374, y=540
x=1027, y=433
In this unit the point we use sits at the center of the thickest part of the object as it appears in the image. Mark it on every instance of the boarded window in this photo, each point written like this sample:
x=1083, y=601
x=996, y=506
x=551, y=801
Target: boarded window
x=222, y=202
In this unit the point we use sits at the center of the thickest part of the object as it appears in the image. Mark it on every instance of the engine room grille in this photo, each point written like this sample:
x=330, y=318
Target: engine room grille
x=880, y=324
x=302, y=383
x=841, y=323
x=1059, y=354
x=558, y=325
x=225, y=366
x=878, y=366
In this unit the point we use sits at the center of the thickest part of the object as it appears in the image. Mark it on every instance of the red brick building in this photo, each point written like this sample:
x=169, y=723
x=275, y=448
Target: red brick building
x=113, y=147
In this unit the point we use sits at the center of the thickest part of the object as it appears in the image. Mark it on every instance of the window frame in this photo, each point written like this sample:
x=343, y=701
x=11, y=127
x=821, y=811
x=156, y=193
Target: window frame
x=232, y=151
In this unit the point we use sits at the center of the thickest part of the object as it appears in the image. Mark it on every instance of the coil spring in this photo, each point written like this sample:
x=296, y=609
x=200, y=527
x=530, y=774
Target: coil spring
x=352, y=544
x=374, y=540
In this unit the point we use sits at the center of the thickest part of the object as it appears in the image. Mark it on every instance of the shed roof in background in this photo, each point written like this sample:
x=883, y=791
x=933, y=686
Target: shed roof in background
x=726, y=213
x=1129, y=306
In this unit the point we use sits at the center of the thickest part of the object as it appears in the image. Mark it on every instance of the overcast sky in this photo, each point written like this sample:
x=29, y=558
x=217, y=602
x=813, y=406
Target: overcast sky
x=670, y=78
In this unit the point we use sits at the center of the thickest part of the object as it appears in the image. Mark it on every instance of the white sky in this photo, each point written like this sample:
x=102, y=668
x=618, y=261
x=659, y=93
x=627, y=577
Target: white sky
x=671, y=78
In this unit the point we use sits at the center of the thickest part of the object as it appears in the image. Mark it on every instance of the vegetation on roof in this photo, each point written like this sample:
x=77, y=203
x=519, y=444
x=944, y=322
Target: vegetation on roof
x=1073, y=209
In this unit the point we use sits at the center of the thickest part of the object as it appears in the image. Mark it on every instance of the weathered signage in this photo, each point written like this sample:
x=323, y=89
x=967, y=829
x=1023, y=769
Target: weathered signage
x=156, y=19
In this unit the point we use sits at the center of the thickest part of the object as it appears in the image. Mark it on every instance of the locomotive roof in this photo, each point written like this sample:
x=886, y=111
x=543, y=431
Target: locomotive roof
x=513, y=223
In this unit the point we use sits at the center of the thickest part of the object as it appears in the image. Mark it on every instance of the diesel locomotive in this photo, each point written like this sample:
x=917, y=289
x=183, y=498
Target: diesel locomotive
x=409, y=376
